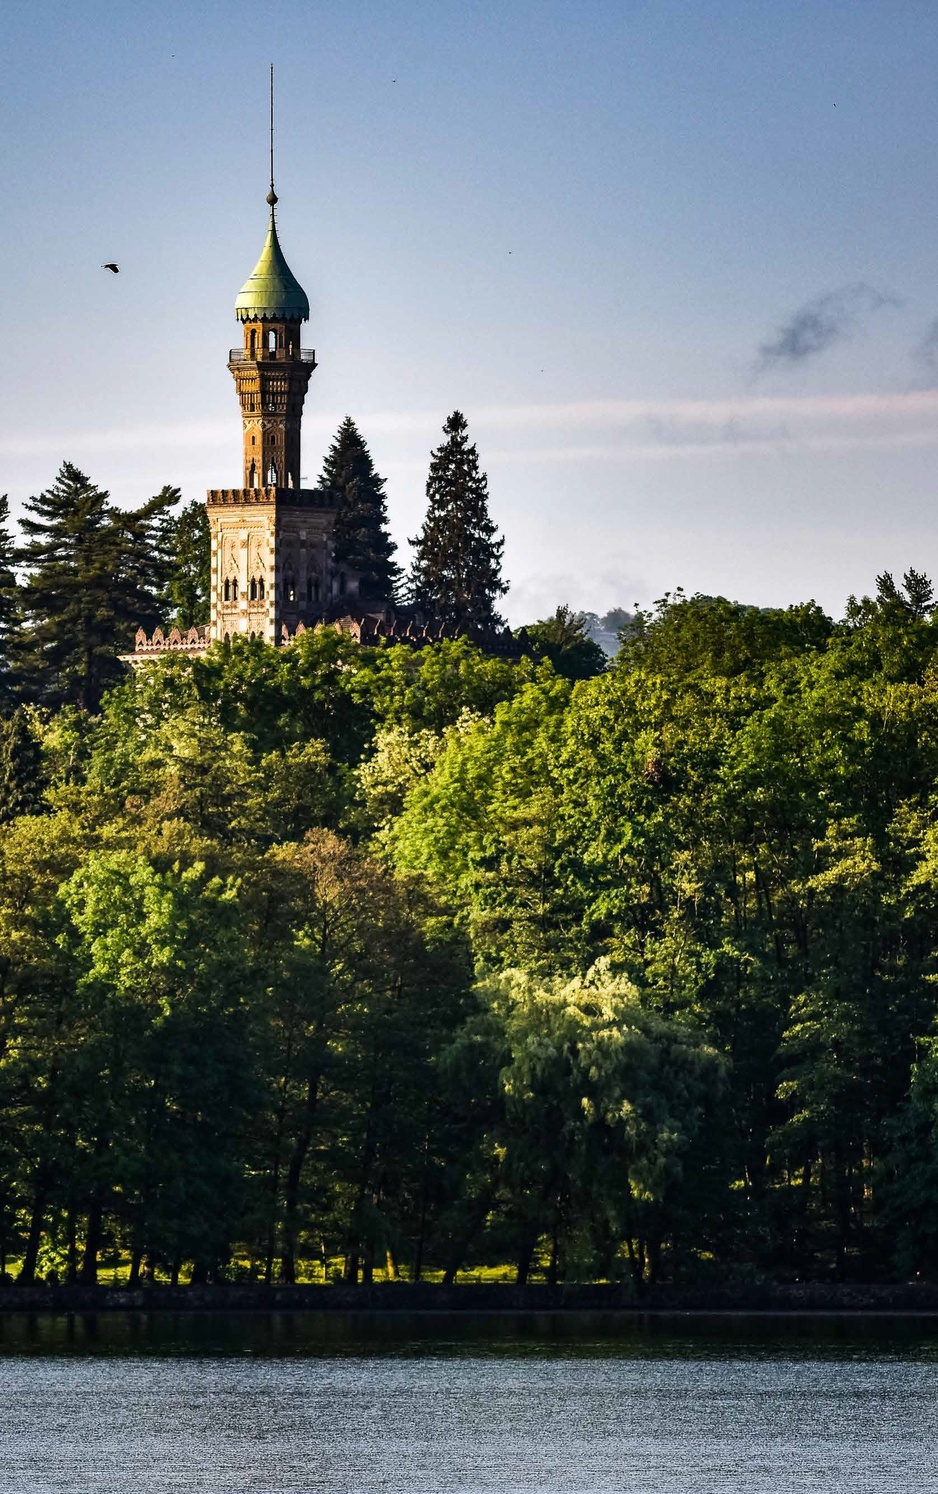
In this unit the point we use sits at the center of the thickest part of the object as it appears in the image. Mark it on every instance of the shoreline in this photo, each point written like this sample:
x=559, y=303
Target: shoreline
x=796, y=1299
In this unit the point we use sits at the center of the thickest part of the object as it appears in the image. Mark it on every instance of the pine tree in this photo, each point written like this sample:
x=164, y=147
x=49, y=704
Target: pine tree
x=361, y=537
x=94, y=574
x=187, y=593
x=9, y=602
x=21, y=770
x=564, y=639
x=456, y=573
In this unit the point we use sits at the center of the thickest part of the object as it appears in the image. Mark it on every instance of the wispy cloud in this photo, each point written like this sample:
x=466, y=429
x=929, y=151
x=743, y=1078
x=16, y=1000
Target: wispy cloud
x=607, y=429
x=819, y=324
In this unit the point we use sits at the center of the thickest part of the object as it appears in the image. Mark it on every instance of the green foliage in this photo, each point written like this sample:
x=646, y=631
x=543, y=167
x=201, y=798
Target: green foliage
x=564, y=639
x=362, y=540
x=430, y=689
x=685, y=635
x=189, y=545
x=21, y=766
x=424, y=959
x=456, y=573
x=94, y=573
x=603, y=1104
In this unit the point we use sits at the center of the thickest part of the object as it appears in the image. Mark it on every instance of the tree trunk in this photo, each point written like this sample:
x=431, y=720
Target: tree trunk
x=291, y=1192
x=89, y=1263
x=462, y=1242
x=33, y=1238
x=553, y=1269
x=636, y=1249
x=136, y=1256
x=525, y=1255
x=422, y=1225
x=71, y=1228
x=368, y=1264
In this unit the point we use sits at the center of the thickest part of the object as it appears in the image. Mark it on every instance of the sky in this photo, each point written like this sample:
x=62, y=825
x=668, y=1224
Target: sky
x=676, y=260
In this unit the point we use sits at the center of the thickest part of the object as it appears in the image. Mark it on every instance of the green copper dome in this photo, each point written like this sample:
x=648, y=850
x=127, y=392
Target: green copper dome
x=272, y=290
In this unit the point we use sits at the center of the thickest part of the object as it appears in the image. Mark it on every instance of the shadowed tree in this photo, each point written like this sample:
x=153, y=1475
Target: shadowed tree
x=189, y=543
x=94, y=574
x=362, y=541
x=9, y=601
x=21, y=770
x=564, y=639
x=919, y=593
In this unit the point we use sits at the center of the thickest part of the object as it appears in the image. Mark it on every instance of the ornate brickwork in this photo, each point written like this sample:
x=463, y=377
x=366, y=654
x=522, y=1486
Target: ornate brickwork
x=272, y=561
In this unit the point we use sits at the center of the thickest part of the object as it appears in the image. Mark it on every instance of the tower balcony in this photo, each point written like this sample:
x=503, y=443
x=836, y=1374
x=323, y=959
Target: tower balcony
x=282, y=355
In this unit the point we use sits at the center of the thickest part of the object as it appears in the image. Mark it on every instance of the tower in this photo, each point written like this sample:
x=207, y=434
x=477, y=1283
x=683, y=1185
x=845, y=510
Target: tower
x=271, y=371
x=272, y=560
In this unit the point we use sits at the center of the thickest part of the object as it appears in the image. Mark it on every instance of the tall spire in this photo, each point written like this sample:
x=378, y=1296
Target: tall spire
x=272, y=291
x=271, y=195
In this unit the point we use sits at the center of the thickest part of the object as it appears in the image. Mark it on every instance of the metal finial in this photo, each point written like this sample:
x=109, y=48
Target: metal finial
x=271, y=195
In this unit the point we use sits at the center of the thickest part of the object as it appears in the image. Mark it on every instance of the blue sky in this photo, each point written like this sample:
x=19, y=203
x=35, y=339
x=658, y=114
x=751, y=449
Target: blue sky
x=677, y=260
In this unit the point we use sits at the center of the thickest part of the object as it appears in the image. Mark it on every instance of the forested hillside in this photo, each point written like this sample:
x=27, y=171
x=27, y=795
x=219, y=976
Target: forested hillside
x=325, y=961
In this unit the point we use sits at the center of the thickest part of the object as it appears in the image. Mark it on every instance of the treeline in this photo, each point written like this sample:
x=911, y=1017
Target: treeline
x=84, y=574
x=334, y=960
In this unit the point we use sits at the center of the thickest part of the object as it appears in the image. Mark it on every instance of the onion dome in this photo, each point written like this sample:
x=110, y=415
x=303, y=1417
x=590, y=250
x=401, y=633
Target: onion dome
x=272, y=291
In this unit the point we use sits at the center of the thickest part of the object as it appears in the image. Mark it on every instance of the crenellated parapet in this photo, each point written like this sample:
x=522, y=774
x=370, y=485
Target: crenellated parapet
x=370, y=629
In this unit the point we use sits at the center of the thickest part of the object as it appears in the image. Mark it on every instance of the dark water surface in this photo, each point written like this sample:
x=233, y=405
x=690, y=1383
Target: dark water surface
x=258, y=1403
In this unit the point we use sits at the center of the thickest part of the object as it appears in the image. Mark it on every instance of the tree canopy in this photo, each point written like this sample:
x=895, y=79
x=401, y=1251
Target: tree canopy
x=325, y=962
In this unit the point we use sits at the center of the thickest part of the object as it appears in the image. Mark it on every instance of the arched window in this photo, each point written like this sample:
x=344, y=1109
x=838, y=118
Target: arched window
x=309, y=589
x=252, y=476
x=234, y=589
x=271, y=342
x=260, y=588
x=272, y=475
x=253, y=589
x=253, y=342
x=289, y=589
x=227, y=590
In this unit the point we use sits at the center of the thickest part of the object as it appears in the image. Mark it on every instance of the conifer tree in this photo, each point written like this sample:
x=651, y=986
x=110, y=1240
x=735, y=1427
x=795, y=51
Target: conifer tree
x=187, y=593
x=9, y=601
x=361, y=537
x=94, y=573
x=456, y=573
x=21, y=771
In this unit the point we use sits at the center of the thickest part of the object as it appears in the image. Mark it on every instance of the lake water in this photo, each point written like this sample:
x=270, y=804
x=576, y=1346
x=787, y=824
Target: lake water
x=264, y=1404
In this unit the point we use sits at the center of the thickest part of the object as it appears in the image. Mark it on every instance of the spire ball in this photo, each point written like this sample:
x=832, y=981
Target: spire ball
x=272, y=197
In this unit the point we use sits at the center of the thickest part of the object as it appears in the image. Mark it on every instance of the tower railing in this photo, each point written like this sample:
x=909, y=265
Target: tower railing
x=282, y=355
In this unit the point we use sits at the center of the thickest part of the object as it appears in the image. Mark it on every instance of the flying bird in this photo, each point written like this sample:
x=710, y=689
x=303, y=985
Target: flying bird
x=115, y=269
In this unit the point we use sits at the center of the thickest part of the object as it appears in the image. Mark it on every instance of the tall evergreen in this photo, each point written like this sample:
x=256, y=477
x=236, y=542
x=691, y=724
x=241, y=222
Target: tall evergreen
x=9, y=601
x=362, y=541
x=94, y=573
x=21, y=770
x=187, y=592
x=456, y=573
